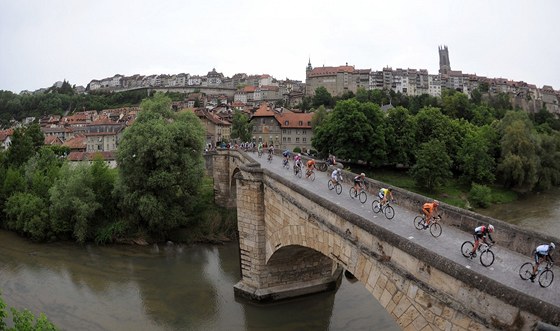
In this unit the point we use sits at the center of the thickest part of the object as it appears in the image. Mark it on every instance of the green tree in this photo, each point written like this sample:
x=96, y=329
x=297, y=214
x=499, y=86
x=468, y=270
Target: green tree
x=241, y=127
x=432, y=168
x=23, y=320
x=348, y=134
x=160, y=166
x=549, y=155
x=73, y=204
x=519, y=160
x=474, y=159
x=456, y=105
x=21, y=148
x=400, y=136
x=27, y=214
x=322, y=97
x=319, y=115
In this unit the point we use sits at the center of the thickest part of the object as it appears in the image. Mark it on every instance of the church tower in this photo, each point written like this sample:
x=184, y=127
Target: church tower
x=309, y=67
x=444, y=65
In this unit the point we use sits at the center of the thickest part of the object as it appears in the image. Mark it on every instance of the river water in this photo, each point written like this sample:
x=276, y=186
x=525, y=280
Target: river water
x=539, y=212
x=176, y=287
x=163, y=287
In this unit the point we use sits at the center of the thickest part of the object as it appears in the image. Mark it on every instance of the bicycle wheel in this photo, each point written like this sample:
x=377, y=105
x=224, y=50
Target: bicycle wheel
x=435, y=229
x=487, y=258
x=389, y=212
x=312, y=176
x=330, y=185
x=546, y=278
x=466, y=248
x=376, y=206
x=363, y=197
x=526, y=270
x=418, y=222
x=338, y=188
x=352, y=192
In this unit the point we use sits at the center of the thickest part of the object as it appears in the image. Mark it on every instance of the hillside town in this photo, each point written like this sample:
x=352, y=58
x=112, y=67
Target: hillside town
x=214, y=97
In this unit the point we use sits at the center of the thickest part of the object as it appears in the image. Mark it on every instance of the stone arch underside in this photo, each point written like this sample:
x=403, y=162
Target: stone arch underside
x=413, y=305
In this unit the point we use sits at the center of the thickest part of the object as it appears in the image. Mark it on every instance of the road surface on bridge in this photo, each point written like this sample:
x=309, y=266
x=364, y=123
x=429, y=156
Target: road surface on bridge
x=505, y=268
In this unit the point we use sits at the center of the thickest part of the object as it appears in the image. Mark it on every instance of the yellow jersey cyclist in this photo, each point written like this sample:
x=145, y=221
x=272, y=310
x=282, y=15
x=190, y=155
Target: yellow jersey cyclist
x=384, y=194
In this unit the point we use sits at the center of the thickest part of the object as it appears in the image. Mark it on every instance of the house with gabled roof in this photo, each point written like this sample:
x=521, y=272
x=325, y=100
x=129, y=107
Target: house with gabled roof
x=266, y=128
x=109, y=157
x=53, y=141
x=296, y=129
x=6, y=138
x=103, y=135
x=77, y=143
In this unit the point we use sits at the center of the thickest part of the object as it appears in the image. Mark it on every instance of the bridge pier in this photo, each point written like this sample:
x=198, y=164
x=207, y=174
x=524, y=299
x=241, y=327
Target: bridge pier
x=292, y=270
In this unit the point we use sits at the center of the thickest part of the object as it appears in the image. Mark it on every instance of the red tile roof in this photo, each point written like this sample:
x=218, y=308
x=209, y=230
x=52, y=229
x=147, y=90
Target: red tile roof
x=328, y=71
x=290, y=120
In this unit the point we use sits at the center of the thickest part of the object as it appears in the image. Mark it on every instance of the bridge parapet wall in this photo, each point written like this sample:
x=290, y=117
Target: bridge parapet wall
x=418, y=287
x=507, y=235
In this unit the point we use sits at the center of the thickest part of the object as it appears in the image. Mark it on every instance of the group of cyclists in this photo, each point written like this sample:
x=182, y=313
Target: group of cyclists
x=429, y=209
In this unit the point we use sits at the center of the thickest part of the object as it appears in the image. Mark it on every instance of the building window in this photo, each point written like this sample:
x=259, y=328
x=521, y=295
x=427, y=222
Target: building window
x=286, y=122
x=297, y=140
x=283, y=139
x=300, y=123
x=289, y=139
x=304, y=132
x=304, y=139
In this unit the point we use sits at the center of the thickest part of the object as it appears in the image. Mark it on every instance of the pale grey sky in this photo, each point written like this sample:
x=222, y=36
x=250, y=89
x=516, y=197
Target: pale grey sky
x=42, y=42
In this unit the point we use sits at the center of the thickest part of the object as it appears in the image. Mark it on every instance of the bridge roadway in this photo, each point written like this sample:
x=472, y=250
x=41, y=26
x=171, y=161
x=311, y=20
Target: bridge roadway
x=505, y=268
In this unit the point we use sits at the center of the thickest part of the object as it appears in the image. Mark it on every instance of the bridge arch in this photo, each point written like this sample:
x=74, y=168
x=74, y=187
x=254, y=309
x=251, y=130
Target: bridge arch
x=278, y=220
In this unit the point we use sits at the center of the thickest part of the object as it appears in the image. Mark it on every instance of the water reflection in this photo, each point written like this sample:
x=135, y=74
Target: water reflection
x=162, y=287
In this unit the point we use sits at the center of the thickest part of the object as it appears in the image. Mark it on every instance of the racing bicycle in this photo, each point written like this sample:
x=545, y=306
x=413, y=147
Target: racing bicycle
x=484, y=249
x=435, y=228
x=386, y=209
x=545, y=275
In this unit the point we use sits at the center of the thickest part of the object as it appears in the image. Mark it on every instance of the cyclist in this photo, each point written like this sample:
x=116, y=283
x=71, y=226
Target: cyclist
x=358, y=182
x=542, y=252
x=286, y=155
x=429, y=209
x=336, y=176
x=260, y=148
x=271, y=149
x=385, y=193
x=481, y=232
x=310, y=167
x=297, y=161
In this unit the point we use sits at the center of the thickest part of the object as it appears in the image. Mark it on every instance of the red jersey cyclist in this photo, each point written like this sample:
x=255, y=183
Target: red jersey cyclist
x=482, y=232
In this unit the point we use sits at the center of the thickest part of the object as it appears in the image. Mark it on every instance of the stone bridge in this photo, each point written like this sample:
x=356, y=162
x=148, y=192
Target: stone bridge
x=296, y=236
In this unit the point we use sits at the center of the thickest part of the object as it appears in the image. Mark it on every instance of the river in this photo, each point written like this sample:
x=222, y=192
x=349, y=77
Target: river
x=539, y=212
x=163, y=287
x=177, y=287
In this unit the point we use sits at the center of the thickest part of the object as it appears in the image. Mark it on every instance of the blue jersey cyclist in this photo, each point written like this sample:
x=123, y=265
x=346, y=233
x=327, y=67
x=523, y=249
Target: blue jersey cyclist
x=542, y=252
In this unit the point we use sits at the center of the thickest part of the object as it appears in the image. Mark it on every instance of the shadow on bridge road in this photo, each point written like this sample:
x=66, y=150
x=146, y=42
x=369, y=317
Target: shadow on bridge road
x=505, y=268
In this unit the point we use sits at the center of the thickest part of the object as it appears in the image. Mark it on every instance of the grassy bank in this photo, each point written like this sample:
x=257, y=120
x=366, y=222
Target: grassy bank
x=453, y=193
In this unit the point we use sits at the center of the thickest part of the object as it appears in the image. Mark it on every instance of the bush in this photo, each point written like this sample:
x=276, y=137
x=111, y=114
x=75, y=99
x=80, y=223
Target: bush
x=297, y=150
x=480, y=195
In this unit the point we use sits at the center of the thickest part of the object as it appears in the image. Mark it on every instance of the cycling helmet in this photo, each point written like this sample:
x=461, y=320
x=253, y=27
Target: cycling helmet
x=362, y=174
x=299, y=154
x=490, y=228
x=552, y=246
x=436, y=202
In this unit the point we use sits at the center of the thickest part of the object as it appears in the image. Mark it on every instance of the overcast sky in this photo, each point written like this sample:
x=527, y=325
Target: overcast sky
x=42, y=42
